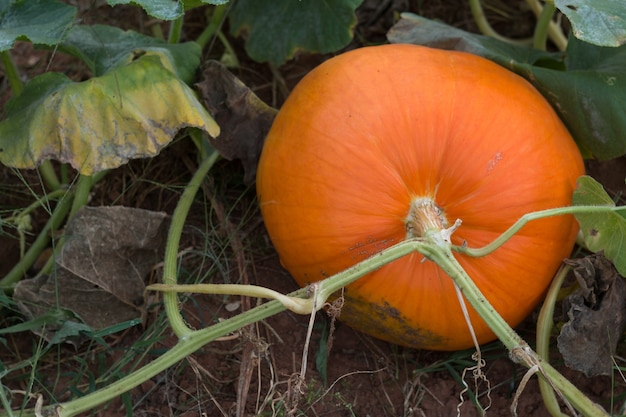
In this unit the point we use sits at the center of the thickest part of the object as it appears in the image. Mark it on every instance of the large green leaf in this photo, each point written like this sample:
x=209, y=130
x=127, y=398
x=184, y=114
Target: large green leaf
x=277, y=29
x=41, y=21
x=166, y=9
x=601, y=231
x=600, y=22
x=190, y=4
x=590, y=96
x=161, y=9
x=586, y=85
x=130, y=112
x=105, y=47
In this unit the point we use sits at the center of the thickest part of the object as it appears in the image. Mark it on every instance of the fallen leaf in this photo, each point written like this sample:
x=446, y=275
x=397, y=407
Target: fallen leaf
x=597, y=315
x=100, y=272
x=243, y=117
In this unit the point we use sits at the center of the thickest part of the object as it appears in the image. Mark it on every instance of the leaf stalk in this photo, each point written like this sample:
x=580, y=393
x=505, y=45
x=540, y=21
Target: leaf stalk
x=170, y=262
x=511, y=231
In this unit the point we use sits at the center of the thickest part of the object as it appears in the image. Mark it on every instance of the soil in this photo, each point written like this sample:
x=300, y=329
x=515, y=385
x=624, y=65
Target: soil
x=258, y=371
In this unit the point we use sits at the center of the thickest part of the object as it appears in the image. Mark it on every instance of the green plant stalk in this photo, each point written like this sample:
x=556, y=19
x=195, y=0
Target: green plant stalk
x=437, y=249
x=202, y=145
x=442, y=255
x=518, y=348
x=297, y=305
x=540, y=37
x=510, y=232
x=215, y=22
x=230, y=51
x=214, y=28
x=485, y=28
x=80, y=199
x=4, y=401
x=81, y=194
x=22, y=217
x=46, y=170
x=176, y=28
x=10, y=69
x=432, y=248
x=185, y=346
x=55, y=221
x=544, y=331
x=170, y=262
x=555, y=32
x=193, y=340
x=53, y=195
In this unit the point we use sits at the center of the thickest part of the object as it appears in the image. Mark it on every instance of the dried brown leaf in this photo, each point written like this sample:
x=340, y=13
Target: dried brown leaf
x=100, y=271
x=597, y=315
x=244, y=119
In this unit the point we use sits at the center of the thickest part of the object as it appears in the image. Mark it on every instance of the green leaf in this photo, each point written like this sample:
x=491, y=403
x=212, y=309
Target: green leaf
x=321, y=356
x=576, y=83
x=41, y=21
x=131, y=112
x=69, y=330
x=277, y=29
x=51, y=318
x=590, y=96
x=105, y=47
x=600, y=22
x=418, y=30
x=601, y=231
x=191, y=4
x=161, y=9
x=167, y=9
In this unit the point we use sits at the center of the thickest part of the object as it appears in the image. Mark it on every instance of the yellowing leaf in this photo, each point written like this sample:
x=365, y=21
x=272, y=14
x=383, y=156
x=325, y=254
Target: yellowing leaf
x=130, y=112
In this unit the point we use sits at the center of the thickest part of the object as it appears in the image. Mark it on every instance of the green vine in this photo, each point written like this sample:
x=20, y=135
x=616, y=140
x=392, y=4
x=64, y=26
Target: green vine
x=170, y=299
x=434, y=246
x=544, y=331
x=43, y=239
x=499, y=241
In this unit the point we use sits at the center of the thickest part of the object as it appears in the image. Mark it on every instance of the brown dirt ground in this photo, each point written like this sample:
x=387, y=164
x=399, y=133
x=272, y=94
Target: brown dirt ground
x=365, y=377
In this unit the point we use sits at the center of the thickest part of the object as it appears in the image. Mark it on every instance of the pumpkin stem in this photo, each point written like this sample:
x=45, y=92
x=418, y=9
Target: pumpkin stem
x=425, y=217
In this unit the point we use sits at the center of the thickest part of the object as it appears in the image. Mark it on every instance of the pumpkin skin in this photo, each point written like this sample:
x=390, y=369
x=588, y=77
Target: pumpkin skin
x=371, y=130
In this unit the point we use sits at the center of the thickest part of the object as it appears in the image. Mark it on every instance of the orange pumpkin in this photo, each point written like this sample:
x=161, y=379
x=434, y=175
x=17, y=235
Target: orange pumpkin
x=367, y=134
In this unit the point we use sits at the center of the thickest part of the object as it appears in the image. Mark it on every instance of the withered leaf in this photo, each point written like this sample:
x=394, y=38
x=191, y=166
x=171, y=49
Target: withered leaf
x=130, y=112
x=597, y=315
x=100, y=272
x=244, y=119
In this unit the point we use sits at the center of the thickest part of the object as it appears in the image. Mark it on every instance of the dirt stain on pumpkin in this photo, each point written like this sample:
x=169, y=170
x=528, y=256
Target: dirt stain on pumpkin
x=385, y=322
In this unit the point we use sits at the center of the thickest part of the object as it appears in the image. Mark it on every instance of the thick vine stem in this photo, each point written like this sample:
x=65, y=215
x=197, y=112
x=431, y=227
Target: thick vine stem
x=485, y=28
x=186, y=345
x=544, y=19
x=294, y=304
x=170, y=264
x=511, y=231
x=430, y=246
x=10, y=69
x=544, y=330
x=554, y=31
